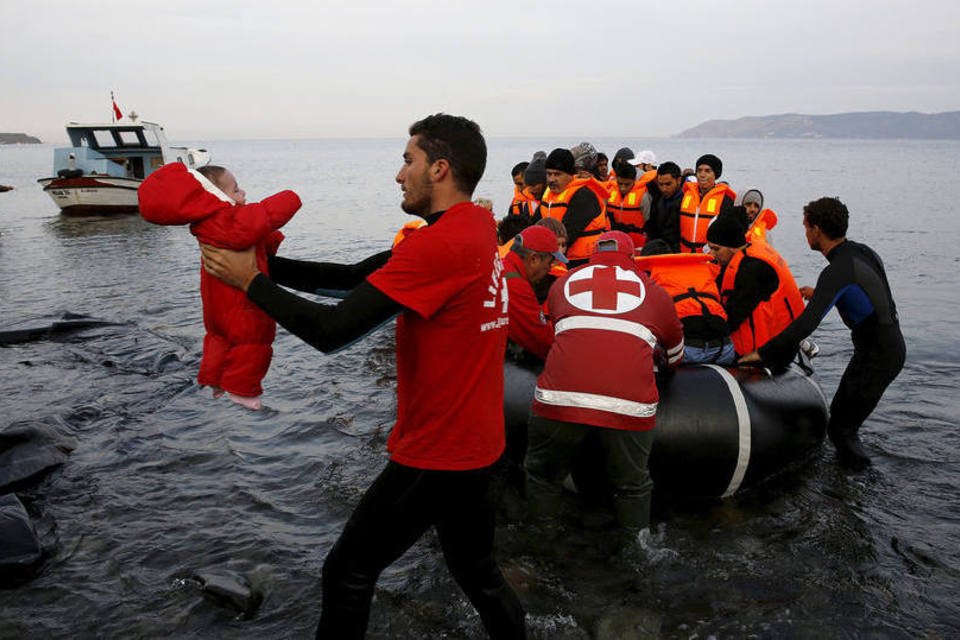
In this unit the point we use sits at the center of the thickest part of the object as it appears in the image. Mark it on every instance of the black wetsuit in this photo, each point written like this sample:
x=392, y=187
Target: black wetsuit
x=854, y=282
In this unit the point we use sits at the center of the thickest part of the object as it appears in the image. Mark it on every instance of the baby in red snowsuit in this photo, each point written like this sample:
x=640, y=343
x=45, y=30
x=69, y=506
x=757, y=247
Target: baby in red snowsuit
x=237, y=347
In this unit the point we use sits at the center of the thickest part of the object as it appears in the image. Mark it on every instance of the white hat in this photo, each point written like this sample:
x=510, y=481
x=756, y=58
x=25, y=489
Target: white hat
x=644, y=157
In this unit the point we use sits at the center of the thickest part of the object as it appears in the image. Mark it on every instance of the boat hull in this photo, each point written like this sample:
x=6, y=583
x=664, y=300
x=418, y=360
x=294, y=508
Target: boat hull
x=719, y=429
x=93, y=195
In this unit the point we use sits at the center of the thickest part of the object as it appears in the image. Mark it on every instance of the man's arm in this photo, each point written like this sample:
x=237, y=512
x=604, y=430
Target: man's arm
x=325, y=327
x=307, y=276
x=756, y=281
x=584, y=206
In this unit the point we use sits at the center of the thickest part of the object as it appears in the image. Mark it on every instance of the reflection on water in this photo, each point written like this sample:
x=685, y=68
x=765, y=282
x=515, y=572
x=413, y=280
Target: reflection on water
x=167, y=482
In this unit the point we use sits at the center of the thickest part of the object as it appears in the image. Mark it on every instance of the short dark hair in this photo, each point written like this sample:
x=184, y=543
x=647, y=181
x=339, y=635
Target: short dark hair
x=519, y=168
x=669, y=169
x=511, y=225
x=830, y=215
x=457, y=140
x=625, y=170
x=602, y=156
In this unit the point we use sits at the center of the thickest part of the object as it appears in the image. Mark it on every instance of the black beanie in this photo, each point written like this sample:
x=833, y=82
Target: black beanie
x=561, y=160
x=536, y=172
x=713, y=162
x=727, y=230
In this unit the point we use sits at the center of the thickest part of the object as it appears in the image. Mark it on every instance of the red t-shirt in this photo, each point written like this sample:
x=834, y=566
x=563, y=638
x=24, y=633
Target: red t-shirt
x=451, y=339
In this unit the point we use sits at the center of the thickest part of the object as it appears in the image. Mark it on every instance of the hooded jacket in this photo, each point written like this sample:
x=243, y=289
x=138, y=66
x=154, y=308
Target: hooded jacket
x=237, y=347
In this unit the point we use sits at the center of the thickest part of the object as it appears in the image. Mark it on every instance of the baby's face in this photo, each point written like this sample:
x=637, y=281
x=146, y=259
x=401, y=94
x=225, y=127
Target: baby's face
x=228, y=184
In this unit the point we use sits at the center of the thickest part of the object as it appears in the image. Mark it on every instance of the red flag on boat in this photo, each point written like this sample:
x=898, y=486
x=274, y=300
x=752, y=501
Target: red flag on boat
x=117, y=114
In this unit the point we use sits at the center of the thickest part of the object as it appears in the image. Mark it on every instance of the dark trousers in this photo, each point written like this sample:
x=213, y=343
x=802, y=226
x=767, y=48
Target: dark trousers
x=553, y=446
x=866, y=377
x=397, y=509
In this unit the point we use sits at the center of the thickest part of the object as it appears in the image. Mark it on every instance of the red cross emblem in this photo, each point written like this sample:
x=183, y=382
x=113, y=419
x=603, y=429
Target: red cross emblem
x=604, y=285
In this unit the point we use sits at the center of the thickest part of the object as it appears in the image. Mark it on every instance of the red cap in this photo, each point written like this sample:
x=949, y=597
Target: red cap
x=616, y=241
x=540, y=239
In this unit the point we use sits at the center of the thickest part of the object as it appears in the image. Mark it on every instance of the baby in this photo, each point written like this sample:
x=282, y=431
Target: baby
x=237, y=347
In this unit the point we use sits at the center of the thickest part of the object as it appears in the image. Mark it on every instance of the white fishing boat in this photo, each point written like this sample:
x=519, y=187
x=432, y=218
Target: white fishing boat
x=101, y=172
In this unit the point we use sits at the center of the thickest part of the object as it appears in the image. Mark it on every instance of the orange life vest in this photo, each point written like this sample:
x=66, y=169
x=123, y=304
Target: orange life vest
x=690, y=279
x=697, y=213
x=772, y=315
x=764, y=221
x=525, y=202
x=504, y=248
x=554, y=205
x=406, y=230
x=624, y=211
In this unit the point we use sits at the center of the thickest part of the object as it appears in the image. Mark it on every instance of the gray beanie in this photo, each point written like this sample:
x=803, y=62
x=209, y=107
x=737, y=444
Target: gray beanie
x=584, y=157
x=536, y=172
x=752, y=195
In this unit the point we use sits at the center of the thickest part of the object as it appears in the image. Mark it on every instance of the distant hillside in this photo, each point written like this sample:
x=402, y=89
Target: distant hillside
x=18, y=138
x=868, y=124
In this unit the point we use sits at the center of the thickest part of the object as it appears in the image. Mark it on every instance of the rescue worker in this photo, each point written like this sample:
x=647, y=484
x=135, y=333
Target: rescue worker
x=451, y=337
x=855, y=282
x=610, y=322
x=703, y=200
x=529, y=260
x=691, y=280
x=628, y=206
x=757, y=290
x=579, y=203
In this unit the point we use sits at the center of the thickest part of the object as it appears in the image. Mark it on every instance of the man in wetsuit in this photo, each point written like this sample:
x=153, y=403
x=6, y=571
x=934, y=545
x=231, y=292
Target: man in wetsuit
x=446, y=281
x=854, y=282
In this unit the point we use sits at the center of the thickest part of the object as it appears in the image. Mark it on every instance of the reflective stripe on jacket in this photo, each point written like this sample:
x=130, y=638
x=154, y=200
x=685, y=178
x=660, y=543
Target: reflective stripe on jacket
x=697, y=213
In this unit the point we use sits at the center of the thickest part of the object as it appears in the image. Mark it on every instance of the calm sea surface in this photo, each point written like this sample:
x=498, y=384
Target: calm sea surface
x=167, y=482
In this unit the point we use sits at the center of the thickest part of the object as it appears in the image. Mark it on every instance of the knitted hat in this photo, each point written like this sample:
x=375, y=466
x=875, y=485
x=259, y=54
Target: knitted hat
x=540, y=239
x=560, y=160
x=711, y=161
x=584, y=157
x=752, y=195
x=536, y=172
x=727, y=230
x=615, y=241
x=624, y=153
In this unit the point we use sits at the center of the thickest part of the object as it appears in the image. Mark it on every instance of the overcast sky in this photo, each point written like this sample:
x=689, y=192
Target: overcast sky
x=212, y=69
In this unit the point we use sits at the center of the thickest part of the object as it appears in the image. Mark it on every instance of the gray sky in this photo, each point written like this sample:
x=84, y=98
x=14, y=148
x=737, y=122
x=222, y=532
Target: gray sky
x=212, y=69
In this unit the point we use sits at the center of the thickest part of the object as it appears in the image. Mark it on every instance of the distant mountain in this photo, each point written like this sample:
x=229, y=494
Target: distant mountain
x=867, y=124
x=18, y=138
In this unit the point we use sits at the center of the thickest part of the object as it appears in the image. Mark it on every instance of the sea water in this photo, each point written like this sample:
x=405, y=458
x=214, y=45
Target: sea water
x=167, y=482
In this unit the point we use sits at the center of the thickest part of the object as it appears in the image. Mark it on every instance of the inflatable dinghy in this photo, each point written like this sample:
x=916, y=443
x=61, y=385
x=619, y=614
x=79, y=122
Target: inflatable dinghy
x=719, y=429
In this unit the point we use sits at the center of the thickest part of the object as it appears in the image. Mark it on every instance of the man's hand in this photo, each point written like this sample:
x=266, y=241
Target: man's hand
x=753, y=356
x=236, y=268
x=806, y=292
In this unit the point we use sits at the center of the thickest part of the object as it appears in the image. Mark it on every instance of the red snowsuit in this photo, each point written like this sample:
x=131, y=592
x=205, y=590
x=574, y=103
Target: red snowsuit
x=237, y=347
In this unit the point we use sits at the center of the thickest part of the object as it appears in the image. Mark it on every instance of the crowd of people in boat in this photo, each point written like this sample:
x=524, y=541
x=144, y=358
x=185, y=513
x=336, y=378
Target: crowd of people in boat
x=607, y=318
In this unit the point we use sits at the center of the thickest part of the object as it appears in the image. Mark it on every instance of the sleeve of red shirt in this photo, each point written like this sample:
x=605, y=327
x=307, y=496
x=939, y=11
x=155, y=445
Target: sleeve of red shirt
x=528, y=327
x=423, y=273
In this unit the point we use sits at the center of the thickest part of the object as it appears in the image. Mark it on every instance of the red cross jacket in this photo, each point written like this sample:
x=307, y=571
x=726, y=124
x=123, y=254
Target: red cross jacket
x=608, y=320
x=237, y=347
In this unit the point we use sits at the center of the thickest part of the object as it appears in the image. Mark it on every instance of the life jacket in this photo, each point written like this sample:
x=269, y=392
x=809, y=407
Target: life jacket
x=504, y=248
x=697, y=213
x=525, y=202
x=624, y=211
x=554, y=205
x=406, y=230
x=772, y=315
x=690, y=279
x=764, y=221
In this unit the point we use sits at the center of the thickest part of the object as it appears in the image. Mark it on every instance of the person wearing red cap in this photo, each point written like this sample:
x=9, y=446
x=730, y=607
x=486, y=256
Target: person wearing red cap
x=610, y=324
x=533, y=252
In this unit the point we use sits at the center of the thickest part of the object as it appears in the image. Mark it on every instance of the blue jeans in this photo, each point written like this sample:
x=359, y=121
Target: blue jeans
x=724, y=355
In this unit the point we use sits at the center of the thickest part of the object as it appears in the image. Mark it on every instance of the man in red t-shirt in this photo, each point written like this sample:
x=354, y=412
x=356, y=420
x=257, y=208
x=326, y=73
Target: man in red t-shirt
x=447, y=283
